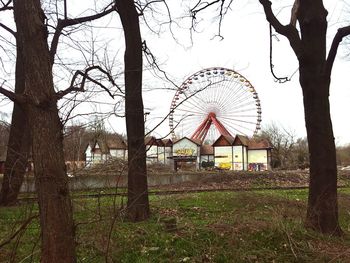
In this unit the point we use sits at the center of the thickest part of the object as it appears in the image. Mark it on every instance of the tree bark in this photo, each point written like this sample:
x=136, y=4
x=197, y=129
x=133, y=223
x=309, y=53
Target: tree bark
x=18, y=144
x=322, y=212
x=138, y=203
x=57, y=241
x=314, y=76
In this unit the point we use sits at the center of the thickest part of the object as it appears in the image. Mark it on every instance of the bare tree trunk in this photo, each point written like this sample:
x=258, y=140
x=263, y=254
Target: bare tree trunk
x=138, y=203
x=46, y=130
x=322, y=212
x=315, y=68
x=18, y=144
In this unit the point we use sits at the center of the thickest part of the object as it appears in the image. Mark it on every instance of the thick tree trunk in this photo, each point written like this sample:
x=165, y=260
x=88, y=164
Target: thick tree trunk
x=46, y=131
x=309, y=45
x=322, y=212
x=138, y=204
x=52, y=185
x=18, y=145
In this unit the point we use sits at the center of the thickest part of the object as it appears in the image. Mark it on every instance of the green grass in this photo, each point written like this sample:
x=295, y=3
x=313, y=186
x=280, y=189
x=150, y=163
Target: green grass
x=259, y=226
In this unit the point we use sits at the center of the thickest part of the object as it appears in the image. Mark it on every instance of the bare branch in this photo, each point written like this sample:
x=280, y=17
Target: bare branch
x=6, y=6
x=62, y=23
x=200, y=6
x=279, y=79
x=289, y=31
x=341, y=33
x=85, y=76
x=19, y=230
x=203, y=5
x=11, y=95
x=151, y=59
x=141, y=9
x=8, y=29
x=65, y=9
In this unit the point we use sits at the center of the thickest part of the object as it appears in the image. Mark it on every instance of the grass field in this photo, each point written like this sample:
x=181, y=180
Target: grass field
x=259, y=226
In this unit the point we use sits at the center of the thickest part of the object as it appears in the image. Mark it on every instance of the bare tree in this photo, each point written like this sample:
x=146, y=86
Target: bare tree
x=301, y=153
x=19, y=140
x=343, y=155
x=39, y=103
x=283, y=142
x=138, y=203
x=289, y=152
x=309, y=46
x=76, y=138
x=18, y=149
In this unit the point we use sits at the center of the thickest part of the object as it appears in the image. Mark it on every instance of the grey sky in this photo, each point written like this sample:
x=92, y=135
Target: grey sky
x=245, y=48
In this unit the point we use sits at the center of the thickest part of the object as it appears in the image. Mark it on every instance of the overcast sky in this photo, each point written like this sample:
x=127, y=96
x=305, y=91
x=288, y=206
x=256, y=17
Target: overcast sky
x=245, y=48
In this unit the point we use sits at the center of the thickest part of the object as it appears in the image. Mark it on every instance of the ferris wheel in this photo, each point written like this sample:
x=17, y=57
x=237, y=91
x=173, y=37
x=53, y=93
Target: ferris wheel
x=212, y=102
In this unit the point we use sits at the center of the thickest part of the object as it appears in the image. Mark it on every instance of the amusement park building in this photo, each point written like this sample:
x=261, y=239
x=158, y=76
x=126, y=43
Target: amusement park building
x=186, y=150
x=227, y=152
x=158, y=150
x=241, y=153
x=103, y=148
x=107, y=147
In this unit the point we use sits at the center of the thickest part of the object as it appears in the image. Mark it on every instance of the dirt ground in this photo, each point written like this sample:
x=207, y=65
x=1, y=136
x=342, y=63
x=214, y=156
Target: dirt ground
x=211, y=180
x=248, y=180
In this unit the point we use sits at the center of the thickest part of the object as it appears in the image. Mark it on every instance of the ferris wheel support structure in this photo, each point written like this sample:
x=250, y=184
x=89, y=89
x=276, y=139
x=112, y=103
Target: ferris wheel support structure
x=202, y=131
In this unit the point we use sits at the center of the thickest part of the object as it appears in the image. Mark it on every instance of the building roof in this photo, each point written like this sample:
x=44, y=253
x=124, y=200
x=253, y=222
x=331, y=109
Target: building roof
x=241, y=140
x=151, y=140
x=102, y=144
x=106, y=142
x=160, y=142
x=224, y=140
x=259, y=144
x=167, y=142
x=115, y=141
x=207, y=149
x=110, y=141
x=195, y=141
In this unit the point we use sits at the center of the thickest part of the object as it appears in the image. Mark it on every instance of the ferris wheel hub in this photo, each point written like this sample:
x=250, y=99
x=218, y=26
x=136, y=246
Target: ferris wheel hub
x=212, y=115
